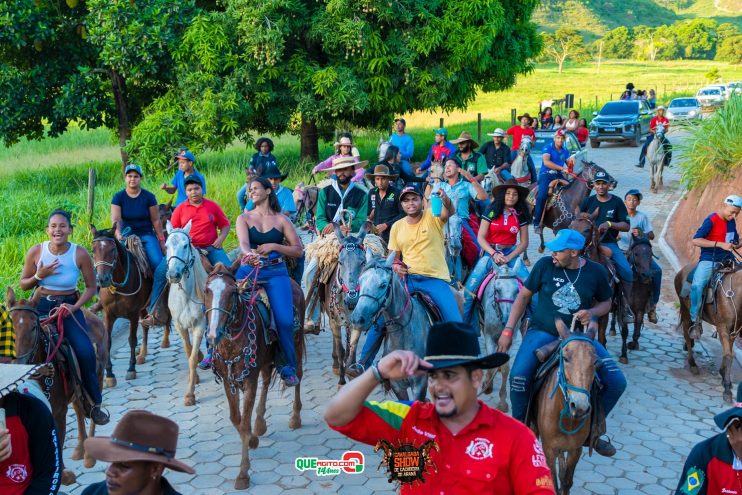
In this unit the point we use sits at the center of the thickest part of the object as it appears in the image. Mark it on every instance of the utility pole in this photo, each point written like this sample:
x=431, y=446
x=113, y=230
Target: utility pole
x=600, y=54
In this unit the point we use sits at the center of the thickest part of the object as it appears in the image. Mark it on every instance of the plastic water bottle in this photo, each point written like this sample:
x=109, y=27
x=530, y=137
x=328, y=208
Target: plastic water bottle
x=436, y=203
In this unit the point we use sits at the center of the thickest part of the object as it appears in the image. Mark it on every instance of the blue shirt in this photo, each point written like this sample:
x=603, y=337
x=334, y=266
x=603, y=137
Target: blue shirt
x=178, y=183
x=135, y=211
x=459, y=194
x=285, y=198
x=405, y=144
x=558, y=157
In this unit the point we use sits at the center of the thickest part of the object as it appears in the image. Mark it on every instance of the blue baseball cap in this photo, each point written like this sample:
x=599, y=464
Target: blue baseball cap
x=186, y=155
x=566, y=239
x=633, y=192
x=442, y=131
x=133, y=167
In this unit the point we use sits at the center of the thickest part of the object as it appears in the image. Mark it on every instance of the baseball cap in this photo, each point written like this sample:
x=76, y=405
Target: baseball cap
x=566, y=239
x=601, y=176
x=192, y=179
x=409, y=190
x=400, y=119
x=442, y=131
x=133, y=167
x=186, y=154
x=733, y=200
x=633, y=192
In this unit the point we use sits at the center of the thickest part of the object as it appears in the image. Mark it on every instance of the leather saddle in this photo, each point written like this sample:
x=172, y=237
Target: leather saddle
x=556, y=187
x=430, y=307
x=709, y=295
x=68, y=368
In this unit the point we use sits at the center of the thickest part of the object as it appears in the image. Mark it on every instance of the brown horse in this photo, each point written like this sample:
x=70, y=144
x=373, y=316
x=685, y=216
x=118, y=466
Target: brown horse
x=35, y=344
x=305, y=199
x=563, y=418
x=124, y=293
x=723, y=314
x=241, y=354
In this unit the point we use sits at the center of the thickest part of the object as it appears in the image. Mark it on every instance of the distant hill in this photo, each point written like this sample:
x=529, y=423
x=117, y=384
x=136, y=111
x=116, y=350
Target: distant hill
x=593, y=18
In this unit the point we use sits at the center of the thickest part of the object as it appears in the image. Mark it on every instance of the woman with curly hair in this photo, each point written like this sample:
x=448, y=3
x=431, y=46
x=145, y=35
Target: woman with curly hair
x=257, y=166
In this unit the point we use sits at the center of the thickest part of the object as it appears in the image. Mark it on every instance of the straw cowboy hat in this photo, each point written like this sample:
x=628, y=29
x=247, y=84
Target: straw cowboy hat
x=522, y=191
x=343, y=141
x=456, y=344
x=464, y=137
x=140, y=436
x=497, y=132
x=526, y=115
x=381, y=171
x=345, y=162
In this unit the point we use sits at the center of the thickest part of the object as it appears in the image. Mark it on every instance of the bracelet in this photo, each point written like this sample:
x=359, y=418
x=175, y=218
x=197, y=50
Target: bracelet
x=508, y=328
x=161, y=239
x=507, y=333
x=610, y=225
x=377, y=374
x=36, y=276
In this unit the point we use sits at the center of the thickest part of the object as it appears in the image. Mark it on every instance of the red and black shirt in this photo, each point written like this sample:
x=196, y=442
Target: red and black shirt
x=708, y=470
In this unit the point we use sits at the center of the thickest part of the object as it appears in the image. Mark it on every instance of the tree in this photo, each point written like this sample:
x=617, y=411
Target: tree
x=310, y=66
x=618, y=43
x=98, y=62
x=655, y=43
x=564, y=44
x=697, y=37
x=725, y=31
x=730, y=50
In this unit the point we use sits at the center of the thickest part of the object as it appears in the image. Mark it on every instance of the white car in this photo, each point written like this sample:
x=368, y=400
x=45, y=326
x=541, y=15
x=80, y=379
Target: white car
x=725, y=89
x=710, y=96
x=684, y=109
x=735, y=87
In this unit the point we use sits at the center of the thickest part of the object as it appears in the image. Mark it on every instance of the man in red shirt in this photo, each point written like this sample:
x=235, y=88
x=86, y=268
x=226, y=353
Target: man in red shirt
x=517, y=132
x=480, y=450
x=657, y=120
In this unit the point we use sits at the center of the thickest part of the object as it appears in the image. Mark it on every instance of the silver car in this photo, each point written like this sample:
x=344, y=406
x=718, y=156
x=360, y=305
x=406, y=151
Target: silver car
x=710, y=96
x=684, y=109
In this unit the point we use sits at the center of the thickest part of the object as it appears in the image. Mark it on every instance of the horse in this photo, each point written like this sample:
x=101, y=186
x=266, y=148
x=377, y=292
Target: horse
x=498, y=296
x=563, y=406
x=166, y=213
x=382, y=147
x=35, y=344
x=406, y=320
x=452, y=237
x=640, y=259
x=656, y=155
x=305, y=200
x=241, y=354
x=519, y=168
x=187, y=277
x=558, y=216
x=125, y=288
x=722, y=313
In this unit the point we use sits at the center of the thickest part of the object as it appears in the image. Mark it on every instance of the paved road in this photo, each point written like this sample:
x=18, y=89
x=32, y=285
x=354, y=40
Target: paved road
x=664, y=412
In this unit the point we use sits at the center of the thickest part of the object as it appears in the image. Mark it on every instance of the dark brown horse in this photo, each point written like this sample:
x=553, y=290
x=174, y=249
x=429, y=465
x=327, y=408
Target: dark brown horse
x=35, y=344
x=723, y=314
x=124, y=293
x=241, y=355
x=305, y=200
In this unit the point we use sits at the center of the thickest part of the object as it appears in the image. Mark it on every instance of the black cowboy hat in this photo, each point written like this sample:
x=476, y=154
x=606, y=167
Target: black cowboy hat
x=522, y=191
x=272, y=172
x=722, y=419
x=456, y=344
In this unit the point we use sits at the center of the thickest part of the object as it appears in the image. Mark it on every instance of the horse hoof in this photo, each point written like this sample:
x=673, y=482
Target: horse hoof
x=140, y=359
x=111, y=382
x=336, y=371
x=294, y=423
x=253, y=442
x=165, y=344
x=89, y=462
x=77, y=454
x=190, y=400
x=527, y=262
x=728, y=397
x=540, y=249
x=260, y=427
x=242, y=483
x=68, y=477
x=612, y=333
x=200, y=356
x=633, y=345
x=623, y=360
x=695, y=370
x=487, y=390
x=131, y=375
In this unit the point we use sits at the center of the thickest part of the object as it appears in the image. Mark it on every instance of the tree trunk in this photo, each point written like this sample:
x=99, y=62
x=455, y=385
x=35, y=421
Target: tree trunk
x=119, y=95
x=561, y=63
x=309, y=141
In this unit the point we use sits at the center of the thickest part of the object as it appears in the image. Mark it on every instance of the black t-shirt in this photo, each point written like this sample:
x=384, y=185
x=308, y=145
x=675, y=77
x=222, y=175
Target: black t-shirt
x=135, y=211
x=613, y=210
x=563, y=292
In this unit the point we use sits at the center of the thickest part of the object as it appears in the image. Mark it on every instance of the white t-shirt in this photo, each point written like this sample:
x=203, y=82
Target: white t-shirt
x=638, y=221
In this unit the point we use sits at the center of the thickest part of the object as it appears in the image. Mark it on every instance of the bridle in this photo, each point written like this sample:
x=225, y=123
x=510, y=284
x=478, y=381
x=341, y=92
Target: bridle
x=383, y=301
x=187, y=265
x=567, y=389
x=496, y=301
x=113, y=288
x=38, y=334
x=349, y=247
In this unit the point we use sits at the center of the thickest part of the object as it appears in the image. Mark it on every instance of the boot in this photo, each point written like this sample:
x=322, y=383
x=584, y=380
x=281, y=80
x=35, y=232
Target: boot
x=160, y=314
x=604, y=447
x=628, y=315
x=652, y=314
x=99, y=416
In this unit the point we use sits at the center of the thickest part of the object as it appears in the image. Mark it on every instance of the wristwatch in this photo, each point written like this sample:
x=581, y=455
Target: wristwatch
x=377, y=374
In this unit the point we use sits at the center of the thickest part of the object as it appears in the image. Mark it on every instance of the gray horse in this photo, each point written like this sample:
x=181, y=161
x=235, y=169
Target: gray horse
x=494, y=310
x=452, y=235
x=407, y=323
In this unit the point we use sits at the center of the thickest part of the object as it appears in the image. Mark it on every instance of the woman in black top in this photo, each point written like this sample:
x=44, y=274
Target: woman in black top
x=261, y=233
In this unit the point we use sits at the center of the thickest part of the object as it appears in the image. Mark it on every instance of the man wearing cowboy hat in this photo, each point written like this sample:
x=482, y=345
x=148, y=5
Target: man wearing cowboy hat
x=404, y=142
x=342, y=195
x=140, y=448
x=662, y=121
x=441, y=149
x=30, y=454
x=383, y=201
x=343, y=147
x=517, y=132
x=714, y=466
x=284, y=195
x=470, y=160
x=480, y=450
x=497, y=154
x=185, y=169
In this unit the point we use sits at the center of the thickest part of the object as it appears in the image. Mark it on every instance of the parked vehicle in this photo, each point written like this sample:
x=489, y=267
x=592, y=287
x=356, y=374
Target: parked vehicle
x=710, y=96
x=544, y=137
x=736, y=87
x=684, y=109
x=725, y=89
x=621, y=121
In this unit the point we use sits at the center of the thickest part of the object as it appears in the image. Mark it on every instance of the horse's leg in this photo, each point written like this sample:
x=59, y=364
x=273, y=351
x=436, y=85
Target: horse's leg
x=60, y=418
x=602, y=324
x=526, y=261
x=685, y=323
x=260, y=426
x=243, y=478
x=338, y=352
x=726, y=360
x=502, y=405
x=354, y=337
x=612, y=331
x=624, y=359
x=569, y=469
x=190, y=397
x=145, y=337
x=165, y=336
x=541, y=245
x=295, y=420
x=400, y=390
x=131, y=373
x=552, y=457
x=638, y=324
x=79, y=451
x=108, y=319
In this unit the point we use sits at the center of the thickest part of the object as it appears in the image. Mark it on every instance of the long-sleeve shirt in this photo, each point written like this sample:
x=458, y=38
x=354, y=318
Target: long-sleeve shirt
x=327, y=163
x=709, y=469
x=405, y=144
x=437, y=153
x=495, y=157
x=386, y=210
x=329, y=201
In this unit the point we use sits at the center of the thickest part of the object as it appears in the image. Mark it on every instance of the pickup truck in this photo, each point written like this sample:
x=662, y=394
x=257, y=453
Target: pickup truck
x=544, y=137
x=621, y=121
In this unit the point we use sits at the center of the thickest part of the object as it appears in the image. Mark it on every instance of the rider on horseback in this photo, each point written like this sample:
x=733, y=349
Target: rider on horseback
x=517, y=132
x=343, y=148
x=257, y=166
x=612, y=219
x=470, y=160
x=185, y=169
x=383, y=202
x=52, y=269
x=661, y=121
x=717, y=237
x=497, y=154
x=554, y=168
x=440, y=150
x=568, y=286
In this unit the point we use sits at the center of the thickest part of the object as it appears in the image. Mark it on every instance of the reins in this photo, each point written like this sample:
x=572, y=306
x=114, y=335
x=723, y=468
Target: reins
x=113, y=289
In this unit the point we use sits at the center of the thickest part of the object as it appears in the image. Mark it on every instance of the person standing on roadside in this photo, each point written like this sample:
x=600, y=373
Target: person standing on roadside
x=185, y=170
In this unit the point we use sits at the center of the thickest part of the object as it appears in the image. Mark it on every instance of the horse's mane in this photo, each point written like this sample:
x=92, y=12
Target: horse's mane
x=107, y=233
x=136, y=249
x=199, y=273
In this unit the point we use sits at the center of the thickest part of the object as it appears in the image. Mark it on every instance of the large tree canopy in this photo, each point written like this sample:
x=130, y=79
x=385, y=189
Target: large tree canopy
x=313, y=65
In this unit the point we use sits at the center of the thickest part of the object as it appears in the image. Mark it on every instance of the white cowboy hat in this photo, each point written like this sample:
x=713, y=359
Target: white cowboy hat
x=12, y=375
x=345, y=162
x=343, y=141
x=497, y=132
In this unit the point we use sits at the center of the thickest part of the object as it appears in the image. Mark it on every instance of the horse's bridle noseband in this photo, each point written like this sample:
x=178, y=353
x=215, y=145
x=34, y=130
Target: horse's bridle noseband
x=187, y=265
x=23, y=358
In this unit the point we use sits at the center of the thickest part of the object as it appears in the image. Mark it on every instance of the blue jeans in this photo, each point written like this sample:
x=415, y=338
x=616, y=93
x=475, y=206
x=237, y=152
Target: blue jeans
x=152, y=249
x=439, y=291
x=159, y=282
x=542, y=195
x=374, y=339
x=525, y=365
x=241, y=199
x=467, y=227
x=656, y=282
x=529, y=162
x=700, y=279
x=277, y=284
x=298, y=272
x=477, y=276
x=625, y=273
x=215, y=256
x=79, y=341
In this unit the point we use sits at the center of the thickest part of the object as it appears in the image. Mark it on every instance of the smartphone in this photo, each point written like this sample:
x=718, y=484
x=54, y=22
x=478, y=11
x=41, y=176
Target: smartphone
x=2, y=419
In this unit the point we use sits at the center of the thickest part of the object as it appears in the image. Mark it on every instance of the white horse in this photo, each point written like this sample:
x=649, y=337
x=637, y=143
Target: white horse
x=187, y=277
x=656, y=156
x=452, y=237
x=519, y=167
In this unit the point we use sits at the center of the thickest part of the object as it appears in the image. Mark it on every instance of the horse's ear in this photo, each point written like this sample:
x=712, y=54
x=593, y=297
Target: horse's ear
x=169, y=227
x=592, y=328
x=299, y=185
x=518, y=267
x=94, y=231
x=369, y=255
x=561, y=328
x=338, y=232
x=206, y=264
x=595, y=214
x=10, y=297
x=187, y=228
x=364, y=230
x=577, y=211
x=390, y=259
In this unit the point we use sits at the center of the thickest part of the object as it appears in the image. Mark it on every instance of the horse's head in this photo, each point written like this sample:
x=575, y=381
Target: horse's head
x=526, y=143
x=179, y=252
x=506, y=288
x=298, y=194
x=577, y=364
x=26, y=326
x=221, y=297
x=659, y=132
x=584, y=223
x=375, y=287
x=640, y=259
x=351, y=260
x=589, y=171
x=105, y=254
x=383, y=146
x=453, y=235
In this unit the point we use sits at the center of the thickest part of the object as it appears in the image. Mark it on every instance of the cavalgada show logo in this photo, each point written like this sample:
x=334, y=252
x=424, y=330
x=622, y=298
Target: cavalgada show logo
x=350, y=463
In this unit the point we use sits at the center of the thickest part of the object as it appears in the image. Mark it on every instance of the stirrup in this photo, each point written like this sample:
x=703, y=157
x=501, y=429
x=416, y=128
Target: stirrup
x=99, y=416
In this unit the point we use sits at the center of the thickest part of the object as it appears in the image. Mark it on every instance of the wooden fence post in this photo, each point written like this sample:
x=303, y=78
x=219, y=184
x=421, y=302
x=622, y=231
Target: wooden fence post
x=479, y=127
x=513, y=113
x=441, y=122
x=91, y=193
x=580, y=107
x=596, y=101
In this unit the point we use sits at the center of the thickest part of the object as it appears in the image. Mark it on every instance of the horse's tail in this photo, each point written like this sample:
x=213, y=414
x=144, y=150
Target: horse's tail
x=136, y=248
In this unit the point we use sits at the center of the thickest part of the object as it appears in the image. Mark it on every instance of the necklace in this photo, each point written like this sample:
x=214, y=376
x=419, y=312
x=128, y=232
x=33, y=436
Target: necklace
x=572, y=284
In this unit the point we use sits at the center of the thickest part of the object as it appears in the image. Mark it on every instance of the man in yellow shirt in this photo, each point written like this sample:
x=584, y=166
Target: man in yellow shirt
x=418, y=242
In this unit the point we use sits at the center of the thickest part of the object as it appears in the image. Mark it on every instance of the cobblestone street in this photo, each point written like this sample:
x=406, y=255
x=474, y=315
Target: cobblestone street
x=663, y=413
